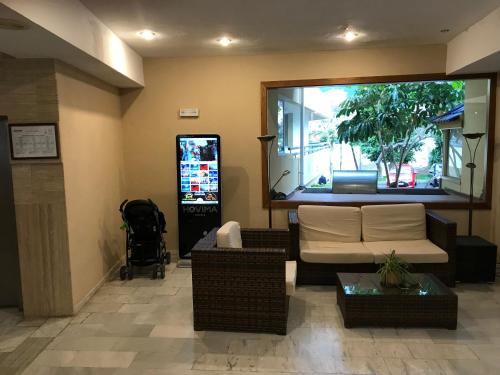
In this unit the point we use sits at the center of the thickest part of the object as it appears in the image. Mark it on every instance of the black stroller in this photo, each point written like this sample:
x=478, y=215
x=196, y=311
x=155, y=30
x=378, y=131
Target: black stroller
x=145, y=225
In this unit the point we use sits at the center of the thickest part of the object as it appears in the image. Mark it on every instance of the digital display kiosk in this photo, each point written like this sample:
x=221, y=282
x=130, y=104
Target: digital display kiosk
x=198, y=188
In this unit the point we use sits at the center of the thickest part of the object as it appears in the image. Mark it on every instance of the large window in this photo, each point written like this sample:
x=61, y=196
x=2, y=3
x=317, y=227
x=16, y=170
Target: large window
x=408, y=132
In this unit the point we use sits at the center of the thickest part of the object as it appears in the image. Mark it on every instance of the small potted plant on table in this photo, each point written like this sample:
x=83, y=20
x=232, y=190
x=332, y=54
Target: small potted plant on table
x=393, y=271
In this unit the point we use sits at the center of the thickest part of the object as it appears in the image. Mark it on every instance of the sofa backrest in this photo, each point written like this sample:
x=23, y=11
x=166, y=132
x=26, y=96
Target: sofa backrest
x=393, y=222
x=330, y=223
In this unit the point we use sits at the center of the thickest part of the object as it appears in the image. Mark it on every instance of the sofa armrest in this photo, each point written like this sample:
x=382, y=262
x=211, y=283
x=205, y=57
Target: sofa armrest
x=443, y=233
x=293, y=227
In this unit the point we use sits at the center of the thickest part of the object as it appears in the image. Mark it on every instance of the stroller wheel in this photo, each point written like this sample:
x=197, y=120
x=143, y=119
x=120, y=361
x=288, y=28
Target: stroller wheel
x=130, y=273
x=159, y=271
x=123, y=272
x=167, y=257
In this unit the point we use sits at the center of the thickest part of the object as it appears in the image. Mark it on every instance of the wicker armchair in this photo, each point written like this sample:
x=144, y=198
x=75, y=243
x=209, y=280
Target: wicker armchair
x=440, y=231
x=241, y=289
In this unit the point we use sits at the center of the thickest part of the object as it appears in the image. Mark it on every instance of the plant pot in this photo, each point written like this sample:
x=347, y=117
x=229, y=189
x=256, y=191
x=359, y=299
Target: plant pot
x=391, y=280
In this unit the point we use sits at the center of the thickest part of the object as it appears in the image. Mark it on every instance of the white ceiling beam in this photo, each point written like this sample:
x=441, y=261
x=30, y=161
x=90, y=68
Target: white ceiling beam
x=476, y=50
x=82, y=40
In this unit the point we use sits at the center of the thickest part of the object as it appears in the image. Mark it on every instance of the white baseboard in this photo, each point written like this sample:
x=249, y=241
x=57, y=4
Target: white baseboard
x=106, y=277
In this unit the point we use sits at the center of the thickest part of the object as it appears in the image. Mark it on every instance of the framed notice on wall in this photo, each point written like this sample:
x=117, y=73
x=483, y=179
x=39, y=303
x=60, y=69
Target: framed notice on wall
x=34, y=141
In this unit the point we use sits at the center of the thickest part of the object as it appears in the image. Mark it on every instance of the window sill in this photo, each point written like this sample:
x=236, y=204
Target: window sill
x=455, y=180
x=450, y=201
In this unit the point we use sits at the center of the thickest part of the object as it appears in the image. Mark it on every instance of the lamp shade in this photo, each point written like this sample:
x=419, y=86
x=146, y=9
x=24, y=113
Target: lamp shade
x=266, y=138
x=473, y=135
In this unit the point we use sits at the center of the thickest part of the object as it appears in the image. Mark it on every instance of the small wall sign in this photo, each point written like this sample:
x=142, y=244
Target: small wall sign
x=189, y=112
x=34, y=141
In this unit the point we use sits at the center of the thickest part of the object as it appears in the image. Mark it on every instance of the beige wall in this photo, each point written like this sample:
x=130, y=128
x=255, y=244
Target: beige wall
x=92, y=155
x=227, y=92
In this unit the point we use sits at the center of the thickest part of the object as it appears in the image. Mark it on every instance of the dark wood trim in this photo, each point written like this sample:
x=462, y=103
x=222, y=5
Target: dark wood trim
x=56, y=131
x=373, y=79
x=486, y=204
x=490, y=156
x=263, y=150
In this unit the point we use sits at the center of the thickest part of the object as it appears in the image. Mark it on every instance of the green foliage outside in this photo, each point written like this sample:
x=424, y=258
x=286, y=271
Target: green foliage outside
x=390, y=121
x=436, y=155
x=371, y=149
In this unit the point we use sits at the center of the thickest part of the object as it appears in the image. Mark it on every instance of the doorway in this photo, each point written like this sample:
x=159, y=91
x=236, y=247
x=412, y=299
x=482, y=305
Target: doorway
x=10, y=280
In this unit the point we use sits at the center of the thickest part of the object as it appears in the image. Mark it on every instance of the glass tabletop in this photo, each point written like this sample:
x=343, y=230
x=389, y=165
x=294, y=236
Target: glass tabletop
x=417, y=284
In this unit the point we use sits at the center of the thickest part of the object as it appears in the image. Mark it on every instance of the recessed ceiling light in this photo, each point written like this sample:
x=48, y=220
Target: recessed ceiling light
x=147, y=34
x=348, y=34
x=224, y=41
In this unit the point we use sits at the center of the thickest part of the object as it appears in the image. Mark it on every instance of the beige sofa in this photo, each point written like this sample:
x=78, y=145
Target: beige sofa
x=358, y=239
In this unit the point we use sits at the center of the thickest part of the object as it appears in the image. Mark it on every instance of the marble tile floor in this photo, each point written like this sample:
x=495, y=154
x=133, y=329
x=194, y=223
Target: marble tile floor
x=144, y=326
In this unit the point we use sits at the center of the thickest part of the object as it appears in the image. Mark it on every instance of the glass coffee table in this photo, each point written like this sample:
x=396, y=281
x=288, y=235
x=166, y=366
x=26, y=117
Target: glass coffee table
x=364, y=302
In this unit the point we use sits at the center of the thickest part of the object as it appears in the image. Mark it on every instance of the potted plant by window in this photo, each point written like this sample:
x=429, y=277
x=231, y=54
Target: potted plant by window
x=393, y=271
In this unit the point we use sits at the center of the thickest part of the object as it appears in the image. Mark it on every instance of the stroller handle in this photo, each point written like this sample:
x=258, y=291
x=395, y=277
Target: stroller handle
x=123, y=204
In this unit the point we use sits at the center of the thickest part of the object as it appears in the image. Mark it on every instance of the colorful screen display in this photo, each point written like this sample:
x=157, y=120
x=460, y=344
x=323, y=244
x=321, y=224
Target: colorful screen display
x=199, y=170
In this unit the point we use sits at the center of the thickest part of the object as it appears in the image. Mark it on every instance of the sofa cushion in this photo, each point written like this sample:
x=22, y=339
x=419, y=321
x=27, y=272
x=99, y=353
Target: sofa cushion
x=330, y=223
x=393, y=222
x=291, y=277
x=414, y=251
x=334, y=252
x=229, y=235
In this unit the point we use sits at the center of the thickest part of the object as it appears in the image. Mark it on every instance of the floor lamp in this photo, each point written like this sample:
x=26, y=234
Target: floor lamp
x=267, y=140
x=470, y=137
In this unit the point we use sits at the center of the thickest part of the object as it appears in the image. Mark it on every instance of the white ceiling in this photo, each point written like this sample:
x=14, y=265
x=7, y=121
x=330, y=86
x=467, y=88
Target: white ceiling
x=190, y=27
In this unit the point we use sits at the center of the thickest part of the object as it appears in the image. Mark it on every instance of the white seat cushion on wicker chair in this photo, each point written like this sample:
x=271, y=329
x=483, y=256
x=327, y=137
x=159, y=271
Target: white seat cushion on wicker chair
x=229, y=236
x=416, y=251
x=291, y=277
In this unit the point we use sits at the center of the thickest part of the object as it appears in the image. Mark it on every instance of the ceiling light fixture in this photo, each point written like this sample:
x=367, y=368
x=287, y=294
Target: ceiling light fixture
x=224, y=41
x=147, y=34
x=349, y=35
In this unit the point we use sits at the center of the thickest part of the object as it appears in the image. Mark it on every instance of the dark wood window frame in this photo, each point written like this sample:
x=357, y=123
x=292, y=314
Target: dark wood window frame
x=483, y=204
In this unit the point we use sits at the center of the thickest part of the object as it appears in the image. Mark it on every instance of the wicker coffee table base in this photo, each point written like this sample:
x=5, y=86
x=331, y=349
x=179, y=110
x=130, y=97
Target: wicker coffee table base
x=398, y=310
